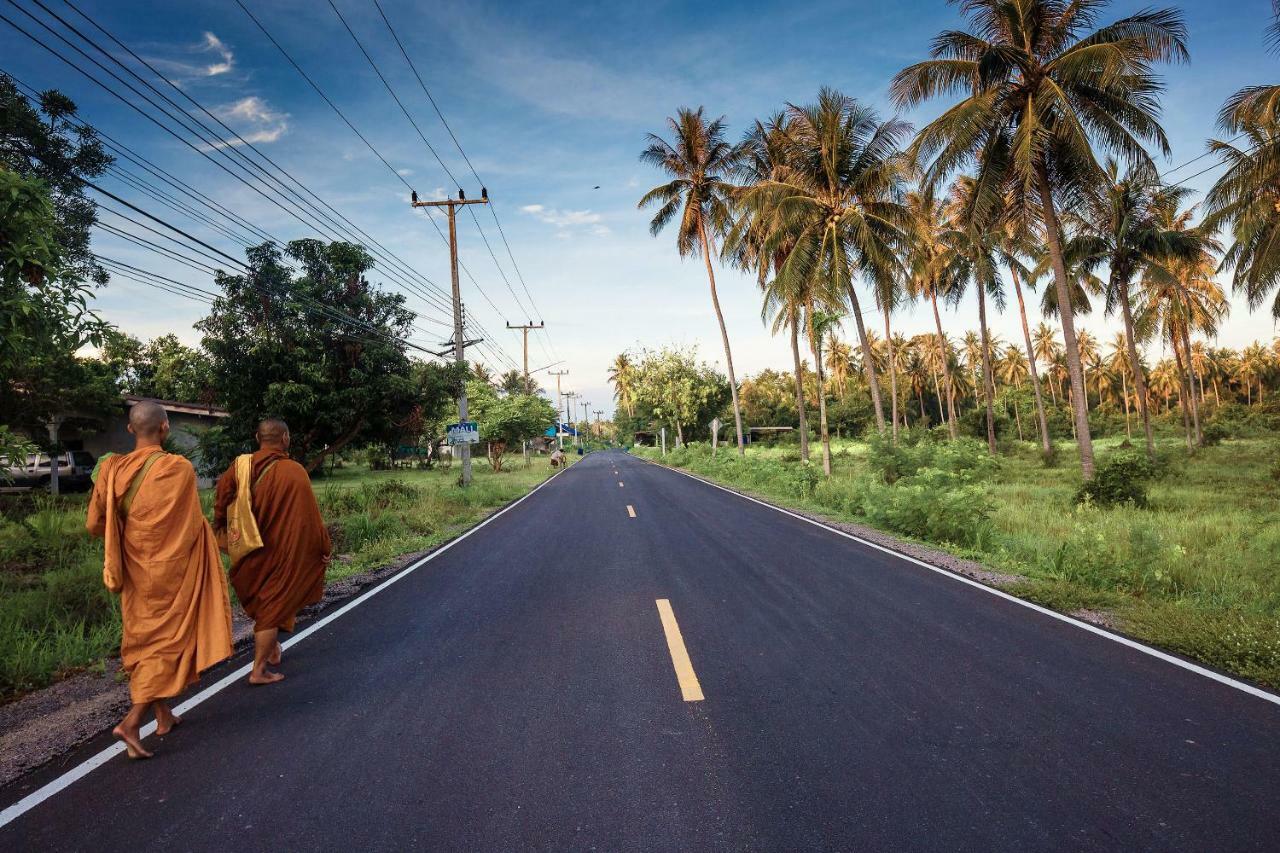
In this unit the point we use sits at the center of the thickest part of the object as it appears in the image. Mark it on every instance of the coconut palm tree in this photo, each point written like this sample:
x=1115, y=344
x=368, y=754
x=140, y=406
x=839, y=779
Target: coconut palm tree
x=1088, y=349
x=1246, y=198
x=699, y=160
x=889, y=293
x=763, y=157
x=929, y=272
x=1040, y=93
x=1014, y=242
x=1124, y=220
x=839, y=364
x=1180, y=297
x=622, y=375
x=974, y=239
x=839, y=208
x=822, y=323
x=1256, y=365
x=1047, y=349
x=1118, y=362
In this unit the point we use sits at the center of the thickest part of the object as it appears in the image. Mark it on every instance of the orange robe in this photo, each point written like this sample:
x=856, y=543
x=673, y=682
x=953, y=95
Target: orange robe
x=163, y=561
x=287, y=572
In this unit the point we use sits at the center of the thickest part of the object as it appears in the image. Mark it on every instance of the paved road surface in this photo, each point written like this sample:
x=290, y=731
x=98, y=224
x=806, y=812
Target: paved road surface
x=519, y=692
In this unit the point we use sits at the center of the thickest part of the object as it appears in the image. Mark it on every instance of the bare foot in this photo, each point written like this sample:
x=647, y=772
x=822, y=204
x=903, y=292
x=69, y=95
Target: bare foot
x=274, y=658
x=265, y=677
x=131, y=743
x=166, y=721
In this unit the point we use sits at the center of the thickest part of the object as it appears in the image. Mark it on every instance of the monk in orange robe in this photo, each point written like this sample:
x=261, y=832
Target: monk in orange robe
x=276, y=581
x=161, y=557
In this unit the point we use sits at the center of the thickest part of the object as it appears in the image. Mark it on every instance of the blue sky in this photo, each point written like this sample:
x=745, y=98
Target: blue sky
x=550, y=101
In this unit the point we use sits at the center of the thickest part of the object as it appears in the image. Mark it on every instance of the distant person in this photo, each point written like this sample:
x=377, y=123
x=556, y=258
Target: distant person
x=287, y=573
x=161, y=557
x=557, y=458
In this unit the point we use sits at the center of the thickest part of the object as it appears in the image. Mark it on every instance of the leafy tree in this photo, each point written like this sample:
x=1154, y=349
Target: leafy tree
x=1039, y=93
x=44, y=317
x=325, y=350
x=679, y=390
x=699, y=161
x=163, y=368
x=45, y=141
x=504, y=421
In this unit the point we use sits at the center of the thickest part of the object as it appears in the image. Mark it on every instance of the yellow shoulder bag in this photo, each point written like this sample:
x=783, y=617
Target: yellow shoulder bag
x=243, y=537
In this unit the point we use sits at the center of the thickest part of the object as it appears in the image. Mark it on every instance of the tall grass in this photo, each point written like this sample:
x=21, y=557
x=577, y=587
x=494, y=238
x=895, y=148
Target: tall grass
x=1197, y=571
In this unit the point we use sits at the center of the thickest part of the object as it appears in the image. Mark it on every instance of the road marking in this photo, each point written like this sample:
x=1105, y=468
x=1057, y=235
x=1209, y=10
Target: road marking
x=92, y=763
x=690, y=689
x=619, y=484
x=999, y=593
x=631, y=511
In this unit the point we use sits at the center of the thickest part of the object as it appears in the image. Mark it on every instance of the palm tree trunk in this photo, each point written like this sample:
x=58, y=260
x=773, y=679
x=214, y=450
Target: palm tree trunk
x=1124, y=391
x=1135, y=367
x=988, y=384
x=800, y=407
x=1031, y=362
x=937, y=393
x=893, y=374
x=1054, y=235
x=816, y=345
x=1191, y=381
x=946, y=367
x=724, y=336
x=868, y=365
x=1183, y=394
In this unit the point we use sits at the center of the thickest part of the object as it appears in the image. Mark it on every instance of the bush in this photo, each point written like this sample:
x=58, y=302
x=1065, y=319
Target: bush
x=1118, y=481
x=1213, y=433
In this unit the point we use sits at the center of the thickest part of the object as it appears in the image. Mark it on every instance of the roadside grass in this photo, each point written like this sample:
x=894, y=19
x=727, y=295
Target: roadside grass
x=1197, y=572
x=56, y=617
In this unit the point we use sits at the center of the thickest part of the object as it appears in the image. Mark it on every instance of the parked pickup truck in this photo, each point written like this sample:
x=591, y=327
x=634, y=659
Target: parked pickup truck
x=74, y=468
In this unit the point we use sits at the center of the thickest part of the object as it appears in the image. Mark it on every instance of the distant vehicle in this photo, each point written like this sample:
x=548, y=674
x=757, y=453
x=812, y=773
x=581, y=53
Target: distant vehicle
x=74, y=468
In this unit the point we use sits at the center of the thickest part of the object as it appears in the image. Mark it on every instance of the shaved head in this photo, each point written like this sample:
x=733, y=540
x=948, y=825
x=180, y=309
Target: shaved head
x=273, y=432
x=148, y=420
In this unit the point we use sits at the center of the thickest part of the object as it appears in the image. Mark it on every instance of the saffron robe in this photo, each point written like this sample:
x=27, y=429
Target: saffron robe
x=287, y=573
x=163, y=561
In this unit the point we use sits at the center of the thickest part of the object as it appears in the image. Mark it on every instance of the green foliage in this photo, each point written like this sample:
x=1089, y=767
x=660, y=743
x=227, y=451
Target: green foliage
x=674, y=389
x=162, y=368
x=1122, y=479
x=278, y=346
x=44, y=316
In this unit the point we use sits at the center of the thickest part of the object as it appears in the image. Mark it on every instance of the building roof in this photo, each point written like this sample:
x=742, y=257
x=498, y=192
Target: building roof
x=181, y=408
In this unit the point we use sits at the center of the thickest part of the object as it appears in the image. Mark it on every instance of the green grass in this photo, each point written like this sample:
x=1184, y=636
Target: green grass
x=57, y=618
x=1198, y=572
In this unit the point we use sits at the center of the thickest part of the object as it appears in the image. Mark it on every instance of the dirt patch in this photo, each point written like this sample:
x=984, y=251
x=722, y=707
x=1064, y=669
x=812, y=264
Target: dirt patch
x=1101, y=618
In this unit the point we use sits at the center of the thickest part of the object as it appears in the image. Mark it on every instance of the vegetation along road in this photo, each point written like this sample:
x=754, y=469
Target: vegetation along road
x=684, y=668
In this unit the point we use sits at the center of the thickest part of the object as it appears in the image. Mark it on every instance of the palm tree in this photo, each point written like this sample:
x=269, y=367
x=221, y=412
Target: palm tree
x=481, y=373
x=622, y=375
x=929, y=271
x=838, y=208
x=1039, y=95
x=1047, y=349
x=1014, y=243
x=822, y=323
x=1118, y=362
x=1255, y=365
x=839, y=364
x=1246, y=198
x=1125, y=216
x=887, y=294
x=1088, y=349
x=1179, y=297
x=697, y=158
x=974, y=239
x=764, y=158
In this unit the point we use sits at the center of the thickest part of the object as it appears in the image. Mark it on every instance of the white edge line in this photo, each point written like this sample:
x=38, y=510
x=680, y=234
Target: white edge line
x=1093, y=629
x=86, y=767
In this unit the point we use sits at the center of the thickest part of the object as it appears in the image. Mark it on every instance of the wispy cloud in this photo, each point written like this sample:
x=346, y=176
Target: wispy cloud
x=565, y=218
x=254, y=120
x=213, y=44
x=206, y=59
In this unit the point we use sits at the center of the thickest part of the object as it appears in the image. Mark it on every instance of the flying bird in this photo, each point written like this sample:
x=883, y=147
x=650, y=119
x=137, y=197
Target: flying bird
x=596, y=187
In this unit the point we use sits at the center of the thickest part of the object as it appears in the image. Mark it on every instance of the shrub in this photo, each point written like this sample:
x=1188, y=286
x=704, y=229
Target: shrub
x=1213, y=433
x=1118, y=481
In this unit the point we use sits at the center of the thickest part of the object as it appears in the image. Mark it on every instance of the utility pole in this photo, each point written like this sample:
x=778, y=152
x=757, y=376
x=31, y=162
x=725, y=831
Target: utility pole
x=568, y=412
x=586, y=414
x=459, y=342
x=525, y=328
x=559, y=408
x=598, y=412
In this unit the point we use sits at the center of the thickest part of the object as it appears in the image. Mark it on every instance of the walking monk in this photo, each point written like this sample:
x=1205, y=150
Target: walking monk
x=287, y=573
x=162, y=559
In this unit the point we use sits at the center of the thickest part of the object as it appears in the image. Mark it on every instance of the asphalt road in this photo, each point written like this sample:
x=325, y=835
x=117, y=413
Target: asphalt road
x=519, y=692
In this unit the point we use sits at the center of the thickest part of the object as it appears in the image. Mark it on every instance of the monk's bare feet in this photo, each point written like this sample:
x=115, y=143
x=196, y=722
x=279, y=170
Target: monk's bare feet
x=131, y=742
x=274, y=658
x=265, y=677
x=166, y=721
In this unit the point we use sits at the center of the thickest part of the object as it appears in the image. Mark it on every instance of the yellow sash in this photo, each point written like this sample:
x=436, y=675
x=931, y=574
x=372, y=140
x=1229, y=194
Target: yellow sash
x=243, y=537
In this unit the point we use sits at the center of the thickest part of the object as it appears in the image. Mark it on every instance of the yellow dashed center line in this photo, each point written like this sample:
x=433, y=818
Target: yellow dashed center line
x=631, y=511
x=690, y=689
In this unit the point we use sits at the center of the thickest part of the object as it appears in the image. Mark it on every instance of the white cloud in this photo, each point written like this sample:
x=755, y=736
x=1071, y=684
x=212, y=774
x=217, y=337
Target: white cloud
x=404, y=172
x=213, y=44
x=568, y=222
x=254, y=120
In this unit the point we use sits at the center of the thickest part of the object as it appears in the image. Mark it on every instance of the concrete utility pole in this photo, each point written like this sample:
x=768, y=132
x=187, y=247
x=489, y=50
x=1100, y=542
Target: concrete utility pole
x=598, y=412
x=53, y=424
x=459, y=342
x=586, y=414
x=559, y=408
x=568, y=412
x=539, y=325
